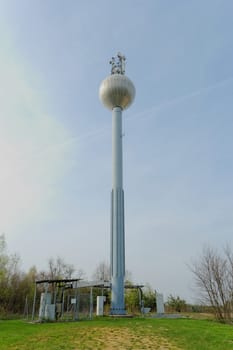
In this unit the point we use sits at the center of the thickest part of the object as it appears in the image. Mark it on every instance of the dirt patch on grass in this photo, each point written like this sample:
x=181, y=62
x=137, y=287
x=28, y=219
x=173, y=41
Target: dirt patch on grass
x=120, y=339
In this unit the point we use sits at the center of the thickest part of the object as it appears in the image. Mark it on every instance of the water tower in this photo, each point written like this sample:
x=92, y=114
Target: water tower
x=117, y=93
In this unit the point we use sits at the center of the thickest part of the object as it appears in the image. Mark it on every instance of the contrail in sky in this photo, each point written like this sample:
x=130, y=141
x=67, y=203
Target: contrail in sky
x=144, y=114
x=176, y=100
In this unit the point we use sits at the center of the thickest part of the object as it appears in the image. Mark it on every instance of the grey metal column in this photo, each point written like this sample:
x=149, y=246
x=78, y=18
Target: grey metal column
x=117, y=218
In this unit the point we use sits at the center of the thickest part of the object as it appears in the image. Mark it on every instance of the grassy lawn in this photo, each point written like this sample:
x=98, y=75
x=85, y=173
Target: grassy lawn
x=110, y=333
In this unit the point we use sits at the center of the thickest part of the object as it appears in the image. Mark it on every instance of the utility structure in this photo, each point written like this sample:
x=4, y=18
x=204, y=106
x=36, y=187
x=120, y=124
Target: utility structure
x=117, y=93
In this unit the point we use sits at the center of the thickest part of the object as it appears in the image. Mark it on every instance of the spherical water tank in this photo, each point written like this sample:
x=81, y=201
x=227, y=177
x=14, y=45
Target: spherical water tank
x=117, y=91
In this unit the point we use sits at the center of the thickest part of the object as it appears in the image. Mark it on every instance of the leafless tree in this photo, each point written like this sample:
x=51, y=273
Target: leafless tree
x=59, y=269
x=102, y=272
x=213, y=273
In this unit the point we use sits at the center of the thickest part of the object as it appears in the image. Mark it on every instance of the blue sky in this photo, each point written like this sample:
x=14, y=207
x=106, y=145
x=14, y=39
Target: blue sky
x=55, y=135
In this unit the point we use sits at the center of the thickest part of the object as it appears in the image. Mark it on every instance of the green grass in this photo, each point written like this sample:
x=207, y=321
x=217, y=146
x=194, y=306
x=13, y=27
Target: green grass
x=110, y=333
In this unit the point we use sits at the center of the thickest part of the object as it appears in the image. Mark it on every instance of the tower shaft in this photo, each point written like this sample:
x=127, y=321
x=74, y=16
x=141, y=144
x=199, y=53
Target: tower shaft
x=117, y=218
x=117, y=93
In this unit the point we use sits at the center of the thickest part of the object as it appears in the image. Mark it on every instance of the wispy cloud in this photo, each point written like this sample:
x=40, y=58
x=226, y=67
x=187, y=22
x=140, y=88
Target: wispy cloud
x=28, y=177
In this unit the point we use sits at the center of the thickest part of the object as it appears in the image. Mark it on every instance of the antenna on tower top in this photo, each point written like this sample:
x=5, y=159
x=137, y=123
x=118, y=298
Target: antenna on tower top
x=118, y=64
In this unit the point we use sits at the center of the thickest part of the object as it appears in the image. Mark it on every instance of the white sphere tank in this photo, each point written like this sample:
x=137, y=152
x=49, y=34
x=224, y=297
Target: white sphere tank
x=117, y=91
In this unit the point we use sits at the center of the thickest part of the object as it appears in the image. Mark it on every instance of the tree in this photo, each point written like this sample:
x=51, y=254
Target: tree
x=149, y=297
x=59, y=269
x=3, y=257
x=132, y=300
x=102, y=272
x=176, y=303
x=213, y=274
x=10, y=278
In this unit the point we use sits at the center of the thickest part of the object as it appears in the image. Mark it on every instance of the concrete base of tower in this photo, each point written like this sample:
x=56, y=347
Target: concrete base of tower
x=117, y=312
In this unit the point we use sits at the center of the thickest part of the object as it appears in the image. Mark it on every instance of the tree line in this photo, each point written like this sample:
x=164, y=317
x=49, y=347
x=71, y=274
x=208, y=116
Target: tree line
x=212, y=271
x=17, y=287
